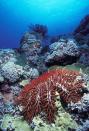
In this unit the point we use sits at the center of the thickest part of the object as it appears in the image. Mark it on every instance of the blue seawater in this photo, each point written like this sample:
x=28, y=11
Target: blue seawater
x=61, y=16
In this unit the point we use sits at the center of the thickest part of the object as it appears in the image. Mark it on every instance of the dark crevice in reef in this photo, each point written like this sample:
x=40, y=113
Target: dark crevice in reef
x=68, y=60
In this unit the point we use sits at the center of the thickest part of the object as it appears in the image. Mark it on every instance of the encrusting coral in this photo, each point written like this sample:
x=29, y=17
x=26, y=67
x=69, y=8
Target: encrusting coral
x=40, y=95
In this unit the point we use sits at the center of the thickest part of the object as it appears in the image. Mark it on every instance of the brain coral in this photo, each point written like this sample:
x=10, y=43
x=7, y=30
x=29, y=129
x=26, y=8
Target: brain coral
x=40, y=95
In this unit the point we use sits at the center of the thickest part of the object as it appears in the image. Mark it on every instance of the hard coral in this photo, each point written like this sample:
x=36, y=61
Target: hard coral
x=11, y=71
x=40, y=95
x=63, y=52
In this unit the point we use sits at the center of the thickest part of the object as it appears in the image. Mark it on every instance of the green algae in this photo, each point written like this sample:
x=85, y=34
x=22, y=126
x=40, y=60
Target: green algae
x=17, y=123
x=75, y=66
x=62, y=123
x=24, y=82
x=70, y=67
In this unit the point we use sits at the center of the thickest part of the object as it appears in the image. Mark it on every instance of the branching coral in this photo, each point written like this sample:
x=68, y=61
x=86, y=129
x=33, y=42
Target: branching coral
x=40, y=94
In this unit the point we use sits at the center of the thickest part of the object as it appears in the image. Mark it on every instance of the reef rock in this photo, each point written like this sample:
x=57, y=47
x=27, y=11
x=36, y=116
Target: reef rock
x=84, y=127
x=7, y=55
x=81, y=33
x=81, y=109
x=1, y=78
x=1, y=106
x=11, y=72
x=29, y=42
x=5, y=88
x=31, y=73
x=83, y=105
x=39, y=29
x=62, y=53
x=31, y=47
x=84, y=58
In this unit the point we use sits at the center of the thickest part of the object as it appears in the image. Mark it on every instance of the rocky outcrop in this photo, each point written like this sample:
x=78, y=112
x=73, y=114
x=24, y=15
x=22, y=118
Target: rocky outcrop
x=81, y=33
x=84, y=127
x=11, y=71
x=62, y=52
x=80, y=110
x=30, y=45
x=84, y=55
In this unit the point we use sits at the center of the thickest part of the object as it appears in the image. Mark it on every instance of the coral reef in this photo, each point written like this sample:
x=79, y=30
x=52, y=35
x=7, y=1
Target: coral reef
x=84, y=58
x=5, y=88
x=31, y=73
x=56, y=100
x=63, y=122
x=31, y=47
x=11, y=123
x=81, y=33
x=7, y=55
x=1, y=107
x=80, y=109
x=11, y=71
x=40, y=29
x=62, y=53
x=84, y=127
x=7, y=107
x=40, y=95
x=29, y=40
x=1, y=78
